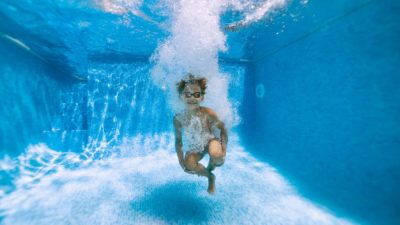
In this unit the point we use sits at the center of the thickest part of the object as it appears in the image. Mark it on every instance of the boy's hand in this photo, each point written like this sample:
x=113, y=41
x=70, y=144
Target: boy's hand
x=223, y=145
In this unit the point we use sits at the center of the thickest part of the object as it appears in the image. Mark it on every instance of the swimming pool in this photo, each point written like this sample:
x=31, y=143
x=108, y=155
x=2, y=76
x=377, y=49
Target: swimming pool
x=309, y=91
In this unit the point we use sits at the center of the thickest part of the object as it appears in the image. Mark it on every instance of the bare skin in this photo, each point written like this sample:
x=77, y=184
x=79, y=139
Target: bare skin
x=216, y=148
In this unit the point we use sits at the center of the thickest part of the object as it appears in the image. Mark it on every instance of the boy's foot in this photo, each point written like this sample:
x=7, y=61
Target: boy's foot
x=211, y=184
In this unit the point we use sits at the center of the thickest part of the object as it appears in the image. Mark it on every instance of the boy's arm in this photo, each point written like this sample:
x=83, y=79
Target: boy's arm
x=178, y=141
x=223, y=135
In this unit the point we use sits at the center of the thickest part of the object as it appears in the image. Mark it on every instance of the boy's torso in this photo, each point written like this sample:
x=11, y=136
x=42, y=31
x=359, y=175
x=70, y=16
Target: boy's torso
x=197, y=129
x=187, y=118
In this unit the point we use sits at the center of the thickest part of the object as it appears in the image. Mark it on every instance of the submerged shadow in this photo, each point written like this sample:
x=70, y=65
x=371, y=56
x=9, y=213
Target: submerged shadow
x=174, y=203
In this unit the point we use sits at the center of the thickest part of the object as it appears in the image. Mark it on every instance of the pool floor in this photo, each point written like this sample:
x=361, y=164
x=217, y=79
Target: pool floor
x=151, y=188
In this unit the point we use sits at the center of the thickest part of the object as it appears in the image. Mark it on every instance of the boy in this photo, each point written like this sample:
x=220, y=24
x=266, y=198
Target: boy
x=196, y=126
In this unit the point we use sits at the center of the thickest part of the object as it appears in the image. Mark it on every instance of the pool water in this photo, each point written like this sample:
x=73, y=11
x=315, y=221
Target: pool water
x=88, y=97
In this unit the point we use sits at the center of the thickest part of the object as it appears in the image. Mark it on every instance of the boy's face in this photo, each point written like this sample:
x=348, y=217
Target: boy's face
x=192, y=94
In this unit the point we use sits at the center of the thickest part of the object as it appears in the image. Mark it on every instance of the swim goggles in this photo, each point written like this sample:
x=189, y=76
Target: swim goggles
x=195, y=94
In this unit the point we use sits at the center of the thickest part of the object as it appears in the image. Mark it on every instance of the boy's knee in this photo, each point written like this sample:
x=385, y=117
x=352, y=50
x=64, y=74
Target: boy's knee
x=190, y=164
x=215, y=149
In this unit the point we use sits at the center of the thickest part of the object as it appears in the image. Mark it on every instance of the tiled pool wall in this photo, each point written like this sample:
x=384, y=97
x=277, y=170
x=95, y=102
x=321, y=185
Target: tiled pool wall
x=327, y=105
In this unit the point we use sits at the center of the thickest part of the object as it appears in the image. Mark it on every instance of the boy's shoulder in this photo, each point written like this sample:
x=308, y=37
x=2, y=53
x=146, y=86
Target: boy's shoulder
x=209, y=111
x=177, y=120
x=177, y=116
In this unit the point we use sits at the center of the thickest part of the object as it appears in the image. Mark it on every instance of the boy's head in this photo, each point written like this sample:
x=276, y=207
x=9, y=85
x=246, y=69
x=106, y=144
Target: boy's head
x=192, y=89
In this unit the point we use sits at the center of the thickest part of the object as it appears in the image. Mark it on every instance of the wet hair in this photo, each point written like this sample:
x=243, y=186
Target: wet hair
x=191, y=79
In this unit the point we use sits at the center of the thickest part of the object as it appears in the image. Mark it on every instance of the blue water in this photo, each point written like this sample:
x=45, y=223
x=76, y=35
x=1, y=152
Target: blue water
x=308, y=90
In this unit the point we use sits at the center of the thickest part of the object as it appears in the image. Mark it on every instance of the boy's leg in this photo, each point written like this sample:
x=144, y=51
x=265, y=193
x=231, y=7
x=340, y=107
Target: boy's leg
x=193, y=166
x=217, y=155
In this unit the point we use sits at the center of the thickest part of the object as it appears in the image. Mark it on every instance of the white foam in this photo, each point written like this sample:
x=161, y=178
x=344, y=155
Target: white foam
x=194, y=44
x=196, y=38
x=6, y=163
x=120, y=6
x=256, y=10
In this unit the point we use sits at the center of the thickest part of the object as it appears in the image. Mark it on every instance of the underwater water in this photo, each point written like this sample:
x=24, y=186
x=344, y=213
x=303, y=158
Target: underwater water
x=88, y=97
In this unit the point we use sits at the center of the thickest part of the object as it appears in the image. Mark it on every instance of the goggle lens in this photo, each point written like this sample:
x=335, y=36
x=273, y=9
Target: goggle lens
x=196, y=94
